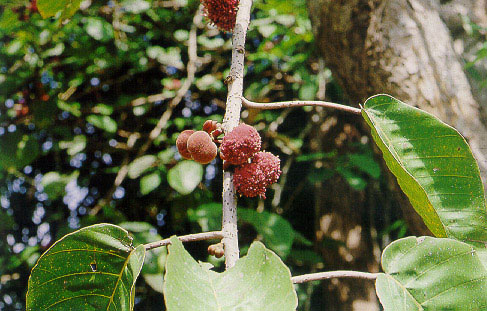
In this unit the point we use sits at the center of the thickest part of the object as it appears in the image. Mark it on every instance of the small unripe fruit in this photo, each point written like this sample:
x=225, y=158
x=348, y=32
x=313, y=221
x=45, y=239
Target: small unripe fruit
x=252, y=179
x=240, y=144
x=201, y=147
x=209, y=126
x=182, y=144
x=216, y=250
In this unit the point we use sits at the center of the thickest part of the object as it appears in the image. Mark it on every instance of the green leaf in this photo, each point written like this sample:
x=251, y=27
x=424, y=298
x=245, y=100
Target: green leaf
x=103, y=122
x=150, y=182
x=185, y=176
x=74, y=146
x=55, y=183
x=259, y=281
x=433, y=165
x=94, y=268
x=277, y=233
x=49, y=8
x=99, y=29
x=140, y=165
x=135, y=6
x=18, y=149
x=428, y=273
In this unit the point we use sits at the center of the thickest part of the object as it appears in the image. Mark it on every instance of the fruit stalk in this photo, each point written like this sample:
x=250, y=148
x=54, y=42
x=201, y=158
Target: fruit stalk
x=230, y=121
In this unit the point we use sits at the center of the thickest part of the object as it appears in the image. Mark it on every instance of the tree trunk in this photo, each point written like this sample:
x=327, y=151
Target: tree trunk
x=402, y=48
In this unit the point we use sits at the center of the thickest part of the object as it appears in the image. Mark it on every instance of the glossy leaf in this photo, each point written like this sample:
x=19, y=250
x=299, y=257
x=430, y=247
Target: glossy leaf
x=94, y=268
x=259, y=281
x=434, y=167
x=428, y=273
x=49, y=8
x=185, y=176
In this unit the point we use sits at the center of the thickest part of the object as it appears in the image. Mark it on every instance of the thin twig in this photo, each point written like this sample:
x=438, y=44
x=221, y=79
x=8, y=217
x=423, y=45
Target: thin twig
x=162, y=123
x=230, y=121
x=211, y=235
x=333, y=274
x=299, y=103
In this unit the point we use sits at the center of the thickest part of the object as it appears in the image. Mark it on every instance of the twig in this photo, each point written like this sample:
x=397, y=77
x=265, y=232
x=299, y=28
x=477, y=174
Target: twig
x=230, y=121
x=211, y=235
x=162, y=123
x=333, y=274
x=299, y=103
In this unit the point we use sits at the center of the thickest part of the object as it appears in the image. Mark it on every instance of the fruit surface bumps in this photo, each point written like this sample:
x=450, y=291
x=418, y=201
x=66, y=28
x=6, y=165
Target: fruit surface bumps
x=240, y=144
x=201, y=147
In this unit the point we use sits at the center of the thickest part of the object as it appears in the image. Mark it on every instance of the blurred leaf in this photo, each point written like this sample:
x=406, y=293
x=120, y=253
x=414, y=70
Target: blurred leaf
x=8, y=20
x=305, y=257
x=276, y=231
x=98, y=28
x=185, y=176
x=103, y=122
x=54, y=183
x=366, y=163
x=353, y=179
x=315, y=156
x=135, y=6
x=320, y=174
x=103, y=109
x=138, y=166
x=150, y=182
x=427, y=273
x=170, y=56
x=17, y=150
x=74, y=146
x=259, y=281
x=49, y=8
x=93, y=268
x=73, y=108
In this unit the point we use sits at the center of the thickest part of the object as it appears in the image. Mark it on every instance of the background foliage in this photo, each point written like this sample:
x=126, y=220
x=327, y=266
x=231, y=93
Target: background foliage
x=79, y=97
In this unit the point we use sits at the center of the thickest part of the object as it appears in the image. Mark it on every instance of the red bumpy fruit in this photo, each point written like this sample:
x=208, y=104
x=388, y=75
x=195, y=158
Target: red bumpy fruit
x=222, y=13
x=182, y=144
x=240, y=144
x=201, y=147
x=252, y=179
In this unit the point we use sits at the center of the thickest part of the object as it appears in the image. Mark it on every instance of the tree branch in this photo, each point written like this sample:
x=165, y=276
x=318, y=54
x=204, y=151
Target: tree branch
x=211, y=235
x=230, y=121
x=299, y=103
x=333, y=274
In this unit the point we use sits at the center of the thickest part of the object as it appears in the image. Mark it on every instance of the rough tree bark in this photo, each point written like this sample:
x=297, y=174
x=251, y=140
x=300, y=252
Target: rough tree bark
x=405, y=49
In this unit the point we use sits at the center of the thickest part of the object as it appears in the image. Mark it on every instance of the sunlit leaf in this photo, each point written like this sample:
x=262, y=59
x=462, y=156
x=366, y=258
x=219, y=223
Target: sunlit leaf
x=49, y=8
x=150, y=182
x=140, y=165
x=434, y=167
x=103, y=122
x=428, y=273
x=259, y=281
x=185, y=176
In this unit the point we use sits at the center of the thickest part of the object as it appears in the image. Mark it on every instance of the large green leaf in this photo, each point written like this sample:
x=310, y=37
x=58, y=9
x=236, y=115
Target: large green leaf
x=94, y=268
x=259, y=281
x=434, y=167
x=277, y=233
x=49, y=8
x=428, y=273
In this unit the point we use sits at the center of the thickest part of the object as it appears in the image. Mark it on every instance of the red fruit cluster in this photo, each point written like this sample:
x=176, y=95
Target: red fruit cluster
x=252, y=179
x=240, y=144
x=222, y=13
x=255, y=170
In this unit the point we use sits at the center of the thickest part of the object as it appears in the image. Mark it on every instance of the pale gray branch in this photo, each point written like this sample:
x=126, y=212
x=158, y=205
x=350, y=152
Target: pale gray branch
x=299, y=103
x=211, y=235
x=333, y=274
x=230, y=121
